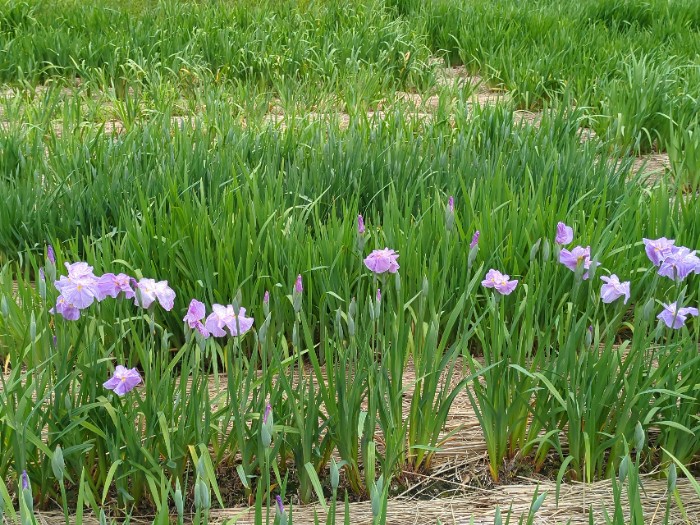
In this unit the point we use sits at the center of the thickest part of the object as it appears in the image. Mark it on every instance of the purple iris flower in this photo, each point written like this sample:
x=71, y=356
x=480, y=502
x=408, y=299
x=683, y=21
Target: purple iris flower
x=268, y=411
x=79, y=269
x=381, y=261
x=225, y=317
x=680, y=263
x=658, y=249
x=451, y=204
x=110, y=285
x=613, y=289
x=124, y=380
x=79, y=288
x=66, y=309
x=266, y=297
x=565, y=234
x=50, y=254
x=500, y=282
x=675, y=317
x=280, y=505
x=150, y=291
x=578, y=256
x=196, y=313
x=298, y=286
x=360, y=225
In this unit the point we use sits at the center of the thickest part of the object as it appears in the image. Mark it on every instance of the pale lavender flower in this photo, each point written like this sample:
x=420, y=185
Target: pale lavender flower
x=79, y=288
x=379, y=295
x=475, y=239
x=25, y=480
x=194, y=316
x=67, y=310
x=675, y=317
x=298, y=286
x=42, y=275
x=123, y=380
x=658, y=249
x=79, y=269
x=360, y=225
x=680, y=263
x=614, y=289
x=451, y=204
x=268, y=411
x=565, y=234
x=578, y=256
x=380, y=261
x=110, y=285
x=50, y=254
x=225, y=317
x=500, y=282
x=150, y=290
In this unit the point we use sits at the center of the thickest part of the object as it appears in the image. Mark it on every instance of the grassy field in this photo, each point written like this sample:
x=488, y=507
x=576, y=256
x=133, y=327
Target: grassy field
x=256, y=157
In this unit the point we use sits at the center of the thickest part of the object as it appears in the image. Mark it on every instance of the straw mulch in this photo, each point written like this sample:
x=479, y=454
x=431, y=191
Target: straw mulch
x=576, y=503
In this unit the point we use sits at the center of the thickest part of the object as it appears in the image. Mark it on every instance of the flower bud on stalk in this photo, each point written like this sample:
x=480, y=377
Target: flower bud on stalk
x=473, y=249
x=361, y=237
x=237, y=300
x=450, y=214
x=639, y=437
x=32, y=327
x=672, y=477
x=352, y=309
x=589, y=336
x=335, y=475
x=378, y=304
x=267, y=427
x=202, y=497
x=42, y=284
x=279, y=506
x=58, y=465
x=262, y=333
x=295, y=336
x=624, y=467
x=26, y=490
x=297, y=294
x=266, y=303
x=50, y=263
x=179, y=501
x=546, y=250
x=339, y=324
x=351, y=326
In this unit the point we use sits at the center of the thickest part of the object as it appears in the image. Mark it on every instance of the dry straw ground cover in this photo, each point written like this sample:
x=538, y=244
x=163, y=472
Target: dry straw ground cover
x=349, y=262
